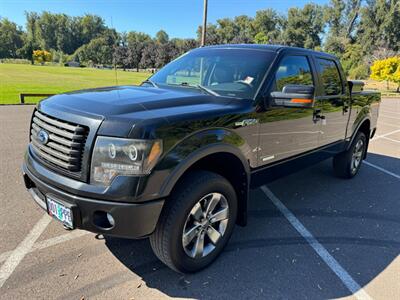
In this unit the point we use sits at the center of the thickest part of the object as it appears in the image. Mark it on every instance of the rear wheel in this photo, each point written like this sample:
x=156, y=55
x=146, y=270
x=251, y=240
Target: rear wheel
x=348, y=163
x=196, y=223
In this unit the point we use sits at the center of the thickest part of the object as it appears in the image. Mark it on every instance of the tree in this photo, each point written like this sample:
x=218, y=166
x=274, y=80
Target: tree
x=162, y=37
x=137, y=37
x=334, y=17
x=212, y=36
x=267, y=26
x=135, y=54
x=30, y=37
x=341, y=17
x=351, y=15
x=47, y=27
x=358, y=32
x=304, y=26
x=244, y=29
x=11, y=39
x=65, y=39
x=379, y=25
x=60, y=32
x=352, y=57
x=120, y=56
x=183, y=45
x=123, y=38
x=226, y=30
x=187, y=44
x=229, y=31
x=90, y=27
x=98, y=51
x=164, y=54
x=261, y=38
x=147, y=60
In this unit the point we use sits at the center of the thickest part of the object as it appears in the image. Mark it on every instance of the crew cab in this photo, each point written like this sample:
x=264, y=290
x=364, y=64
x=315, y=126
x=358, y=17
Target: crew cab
x=174, y=159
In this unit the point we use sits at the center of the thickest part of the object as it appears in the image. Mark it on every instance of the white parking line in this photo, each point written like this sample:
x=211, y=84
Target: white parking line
x=59, y=239
x=389, y=112
x=387, y=124
x=392, y=140
x=49, y=242
x=332, y=263
x=386, y=134
x=18, y=254
x=381, y=169
x=383, y=116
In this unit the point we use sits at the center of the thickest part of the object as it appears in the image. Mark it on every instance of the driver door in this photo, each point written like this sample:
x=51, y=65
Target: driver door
x=287, y=131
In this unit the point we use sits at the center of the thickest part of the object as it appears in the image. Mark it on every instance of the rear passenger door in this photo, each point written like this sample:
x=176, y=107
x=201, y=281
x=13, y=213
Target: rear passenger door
x=333, y=101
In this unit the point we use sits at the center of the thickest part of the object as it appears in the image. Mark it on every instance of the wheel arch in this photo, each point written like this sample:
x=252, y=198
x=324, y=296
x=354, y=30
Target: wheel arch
x=365, y=127
x=223, y=159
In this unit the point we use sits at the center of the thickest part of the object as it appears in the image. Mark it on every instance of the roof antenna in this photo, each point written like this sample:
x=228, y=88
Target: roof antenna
x=204, y=29
x=116, y=74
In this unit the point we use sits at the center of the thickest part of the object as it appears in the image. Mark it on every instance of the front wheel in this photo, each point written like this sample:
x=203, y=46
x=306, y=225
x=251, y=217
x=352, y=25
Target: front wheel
x=196, y=223
x=348, y=163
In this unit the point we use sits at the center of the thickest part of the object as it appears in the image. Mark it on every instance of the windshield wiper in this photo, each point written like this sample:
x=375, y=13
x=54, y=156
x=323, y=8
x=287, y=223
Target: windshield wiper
x=151, y=82
x=199, y=86
x=207, y=90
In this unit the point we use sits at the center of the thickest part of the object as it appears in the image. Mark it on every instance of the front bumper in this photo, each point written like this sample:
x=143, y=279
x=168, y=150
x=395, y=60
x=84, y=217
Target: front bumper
x=132, y=220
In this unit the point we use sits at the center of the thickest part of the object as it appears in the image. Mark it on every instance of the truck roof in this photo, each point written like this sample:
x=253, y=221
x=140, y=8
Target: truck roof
x=273, y=48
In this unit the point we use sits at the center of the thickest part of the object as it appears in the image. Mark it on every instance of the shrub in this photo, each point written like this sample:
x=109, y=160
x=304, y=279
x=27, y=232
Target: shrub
x=387, y=69
x=59, y=57
x=41, y=56
x=19, y=61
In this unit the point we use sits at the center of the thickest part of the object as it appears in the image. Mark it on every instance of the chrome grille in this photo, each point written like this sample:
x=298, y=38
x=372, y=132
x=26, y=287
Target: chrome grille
x=65, y=145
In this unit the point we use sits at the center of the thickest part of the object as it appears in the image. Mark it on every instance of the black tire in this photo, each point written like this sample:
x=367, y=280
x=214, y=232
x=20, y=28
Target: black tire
x=343, y=164
x=167, y=242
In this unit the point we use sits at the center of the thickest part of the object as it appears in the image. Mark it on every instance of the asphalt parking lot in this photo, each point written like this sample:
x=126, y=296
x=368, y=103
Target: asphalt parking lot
x=309, y=235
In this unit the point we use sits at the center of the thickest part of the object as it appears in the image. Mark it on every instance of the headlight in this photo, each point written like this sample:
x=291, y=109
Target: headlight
x=116, y=156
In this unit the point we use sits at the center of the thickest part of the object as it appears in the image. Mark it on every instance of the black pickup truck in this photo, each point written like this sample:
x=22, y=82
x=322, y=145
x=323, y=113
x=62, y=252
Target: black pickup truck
x=174, y=158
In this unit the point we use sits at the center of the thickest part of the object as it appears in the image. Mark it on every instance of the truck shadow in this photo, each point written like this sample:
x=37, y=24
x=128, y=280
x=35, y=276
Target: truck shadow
x=357, y=221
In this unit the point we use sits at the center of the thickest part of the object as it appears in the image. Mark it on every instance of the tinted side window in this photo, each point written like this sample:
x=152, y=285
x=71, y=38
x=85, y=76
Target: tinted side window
x=293, y=70
x=330, y=76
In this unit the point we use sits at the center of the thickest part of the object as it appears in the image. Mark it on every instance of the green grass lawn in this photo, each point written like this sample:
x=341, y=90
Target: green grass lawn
x=16, y=79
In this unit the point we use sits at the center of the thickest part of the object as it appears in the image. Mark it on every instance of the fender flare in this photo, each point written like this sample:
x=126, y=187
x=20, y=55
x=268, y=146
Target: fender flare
x=355, y=133
x=196, y=156
x=357, y=128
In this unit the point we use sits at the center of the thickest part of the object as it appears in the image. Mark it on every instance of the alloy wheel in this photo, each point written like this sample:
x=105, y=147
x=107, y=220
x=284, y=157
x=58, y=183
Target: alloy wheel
x=205, y=225
x=357, y=155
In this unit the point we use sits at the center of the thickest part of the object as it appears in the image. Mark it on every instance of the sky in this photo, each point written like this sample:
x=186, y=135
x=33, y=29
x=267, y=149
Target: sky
x=179, y=18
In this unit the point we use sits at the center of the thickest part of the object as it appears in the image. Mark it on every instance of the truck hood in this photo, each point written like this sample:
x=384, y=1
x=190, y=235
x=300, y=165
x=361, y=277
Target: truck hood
x=125, y=108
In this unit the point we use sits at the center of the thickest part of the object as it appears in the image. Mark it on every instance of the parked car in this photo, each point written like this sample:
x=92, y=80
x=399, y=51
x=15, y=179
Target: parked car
x=174, y=159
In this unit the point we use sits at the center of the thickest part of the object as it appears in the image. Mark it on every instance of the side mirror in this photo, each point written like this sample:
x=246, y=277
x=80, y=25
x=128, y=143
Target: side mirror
x=294, y=95
x=355, y=86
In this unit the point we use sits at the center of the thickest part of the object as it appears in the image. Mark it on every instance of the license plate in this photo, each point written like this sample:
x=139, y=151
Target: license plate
x=60, y=212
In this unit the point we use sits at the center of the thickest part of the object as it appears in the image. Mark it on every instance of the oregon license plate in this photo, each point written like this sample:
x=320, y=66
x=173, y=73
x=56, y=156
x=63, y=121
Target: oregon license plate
x=60, y=212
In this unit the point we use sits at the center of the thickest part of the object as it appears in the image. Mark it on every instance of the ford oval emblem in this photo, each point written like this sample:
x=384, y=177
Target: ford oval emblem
x=43, y=136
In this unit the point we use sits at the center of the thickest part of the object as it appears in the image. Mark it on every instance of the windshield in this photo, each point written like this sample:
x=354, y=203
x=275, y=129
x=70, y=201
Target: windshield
x=227, y=72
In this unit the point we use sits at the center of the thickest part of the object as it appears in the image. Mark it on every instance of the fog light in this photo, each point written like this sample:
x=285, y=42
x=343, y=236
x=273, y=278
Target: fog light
x=110, y=219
